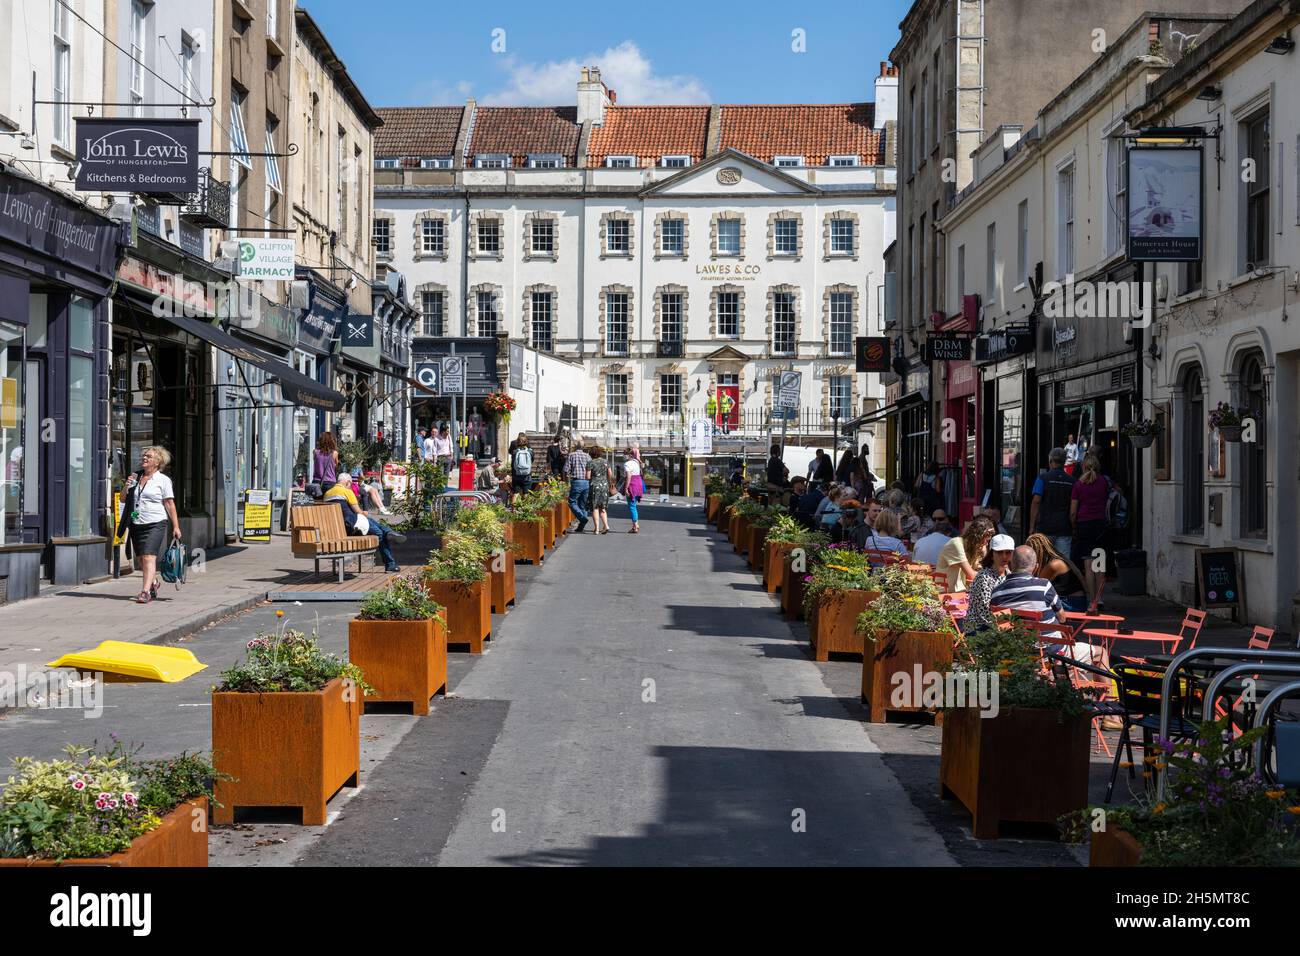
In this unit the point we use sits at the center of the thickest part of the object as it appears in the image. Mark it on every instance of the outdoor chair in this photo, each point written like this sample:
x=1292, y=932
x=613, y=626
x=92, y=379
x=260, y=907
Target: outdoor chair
x=1260, y=638
x=1140, y=694
x=1188, y=631
x=1095, y=683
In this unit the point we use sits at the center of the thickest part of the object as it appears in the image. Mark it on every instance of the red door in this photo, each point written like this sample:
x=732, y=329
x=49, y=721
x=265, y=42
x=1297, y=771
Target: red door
x=732, y=418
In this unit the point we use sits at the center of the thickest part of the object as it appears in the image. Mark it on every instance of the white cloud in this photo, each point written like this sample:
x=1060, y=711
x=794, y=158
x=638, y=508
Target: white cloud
x=624, y=68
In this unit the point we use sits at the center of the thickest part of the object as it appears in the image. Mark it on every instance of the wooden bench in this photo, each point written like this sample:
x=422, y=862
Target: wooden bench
x=319, y=533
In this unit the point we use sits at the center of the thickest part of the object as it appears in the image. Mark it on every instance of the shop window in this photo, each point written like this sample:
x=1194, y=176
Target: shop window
x=12, y=446
x=1254, y=454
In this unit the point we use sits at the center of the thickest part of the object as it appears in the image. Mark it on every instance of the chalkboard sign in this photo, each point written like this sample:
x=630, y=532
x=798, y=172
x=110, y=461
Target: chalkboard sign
x=1218, y=580
x=947, y=347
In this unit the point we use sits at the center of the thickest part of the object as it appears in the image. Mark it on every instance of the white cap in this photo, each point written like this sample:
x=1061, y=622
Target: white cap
x=1002, y=542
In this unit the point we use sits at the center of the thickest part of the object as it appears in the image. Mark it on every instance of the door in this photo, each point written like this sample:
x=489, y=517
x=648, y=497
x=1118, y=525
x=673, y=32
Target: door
x=35, y=457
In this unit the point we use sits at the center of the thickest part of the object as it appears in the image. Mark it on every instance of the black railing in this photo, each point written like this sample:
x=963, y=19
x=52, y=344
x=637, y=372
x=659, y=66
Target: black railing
x=210, y=206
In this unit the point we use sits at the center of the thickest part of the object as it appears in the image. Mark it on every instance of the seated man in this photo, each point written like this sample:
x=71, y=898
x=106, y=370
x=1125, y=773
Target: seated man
x=789, y=498
x=1020, y=590
x=930, y=544
x=342, y=493
x=806, y=507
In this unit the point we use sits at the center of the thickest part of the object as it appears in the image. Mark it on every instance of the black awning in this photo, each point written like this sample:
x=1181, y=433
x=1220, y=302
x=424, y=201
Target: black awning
x=296, y=387
x=893, y=408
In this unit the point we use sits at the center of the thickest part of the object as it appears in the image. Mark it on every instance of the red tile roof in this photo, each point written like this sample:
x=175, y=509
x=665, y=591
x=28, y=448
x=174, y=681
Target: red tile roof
x=517, y=131
x=813, y=132
x=417, y=131
x=649, y=133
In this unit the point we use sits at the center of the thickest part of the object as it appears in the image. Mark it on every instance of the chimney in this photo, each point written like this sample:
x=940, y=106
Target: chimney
x=886, y=95
x=593, y=96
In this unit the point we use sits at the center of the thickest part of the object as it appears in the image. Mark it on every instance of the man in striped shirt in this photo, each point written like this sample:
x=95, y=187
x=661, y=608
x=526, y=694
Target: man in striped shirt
x=575, y=469
x=1022, y=591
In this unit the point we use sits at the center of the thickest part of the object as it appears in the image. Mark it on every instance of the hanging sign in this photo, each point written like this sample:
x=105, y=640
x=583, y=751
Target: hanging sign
x=947, y=347
x=137, y=155
x=267, y=258
x=257, y=516
x=1165, y=186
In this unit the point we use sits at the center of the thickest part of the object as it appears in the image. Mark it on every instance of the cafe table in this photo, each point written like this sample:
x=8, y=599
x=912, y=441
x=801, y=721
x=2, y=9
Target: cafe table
x=1111, y=635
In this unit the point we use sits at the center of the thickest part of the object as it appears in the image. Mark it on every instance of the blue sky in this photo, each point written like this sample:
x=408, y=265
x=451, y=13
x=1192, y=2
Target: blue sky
x=667, y=51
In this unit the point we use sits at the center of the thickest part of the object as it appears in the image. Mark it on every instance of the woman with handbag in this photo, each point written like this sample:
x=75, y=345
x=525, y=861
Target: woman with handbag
x=635, y=487
x=150, y=505
x=325, y=465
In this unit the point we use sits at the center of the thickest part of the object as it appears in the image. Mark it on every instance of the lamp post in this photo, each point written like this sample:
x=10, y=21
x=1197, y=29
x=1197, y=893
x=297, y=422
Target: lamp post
x=835, y=440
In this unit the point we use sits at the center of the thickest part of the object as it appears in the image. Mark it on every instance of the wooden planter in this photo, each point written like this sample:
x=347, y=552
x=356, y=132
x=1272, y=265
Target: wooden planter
x=286, y=749
x=530, y=541
x=503, y=580
x=180, y=840
x=566, y=517
x=774, y=564
x=711, y=506
x=723, y=520
x=404, y=661
x=469, y=611
x=833, y=627
x=755, y=546
x=1114, y=846
x=1026, y=765
x=740, y=534
x=792, y=589
x=882, y=659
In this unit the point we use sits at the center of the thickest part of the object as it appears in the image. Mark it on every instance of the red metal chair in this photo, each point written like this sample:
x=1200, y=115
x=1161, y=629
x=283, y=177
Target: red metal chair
x=1260, y=638
x=1188, y=631
x=883, y=558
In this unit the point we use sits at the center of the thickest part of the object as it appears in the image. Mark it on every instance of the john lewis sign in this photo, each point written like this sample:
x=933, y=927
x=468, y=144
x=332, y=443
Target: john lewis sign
x=138, y=155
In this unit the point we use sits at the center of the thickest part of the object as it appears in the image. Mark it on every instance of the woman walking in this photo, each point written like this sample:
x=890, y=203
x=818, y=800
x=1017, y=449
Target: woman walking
x=635, y=487
x=153, y=505
x=600, y=476
x=1088, y=517
x=325, y=462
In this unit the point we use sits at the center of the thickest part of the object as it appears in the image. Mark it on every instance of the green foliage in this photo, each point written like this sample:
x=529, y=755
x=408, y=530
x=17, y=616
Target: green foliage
x=893, y=613
x=747, y=507
x=462, y=558
x=1012, y=654
x=426, y=480
x=404, y=599
x=1218, y=811
x=92, y=803
x=714, y=484
x=784, y=527
x=287, y=660
x=533, y=507
x=485, y=523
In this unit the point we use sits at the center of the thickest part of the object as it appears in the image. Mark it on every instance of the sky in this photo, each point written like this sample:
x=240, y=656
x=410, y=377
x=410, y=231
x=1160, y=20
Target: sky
x=413, y=53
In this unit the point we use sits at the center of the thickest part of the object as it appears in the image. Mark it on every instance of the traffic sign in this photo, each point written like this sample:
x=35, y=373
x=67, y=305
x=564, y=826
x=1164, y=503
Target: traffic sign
x=453, y=374
x=788, y=387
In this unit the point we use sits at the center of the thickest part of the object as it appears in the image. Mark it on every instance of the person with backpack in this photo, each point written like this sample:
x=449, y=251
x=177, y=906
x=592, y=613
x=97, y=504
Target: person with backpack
x=149, y=505
x=1049, y=510
x=929, y=486
x=1089, y=516
x=521, y=465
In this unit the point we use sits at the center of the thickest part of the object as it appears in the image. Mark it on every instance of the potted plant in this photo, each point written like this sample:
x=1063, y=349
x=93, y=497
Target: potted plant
x=714, y=486
x=1218, y=811
x=1026, y=759
x=756, y=546
x=399, y=640
x=743, y=511
x=784, y=535
x=286, y=727
x=529, y=518
x=487, y=524
x=417, y=515
x=905, y=631
x=456, y=577
x=1229, y=420
x=839, y=585
x=1141, y=432
x=106, y=809
x=730, y=496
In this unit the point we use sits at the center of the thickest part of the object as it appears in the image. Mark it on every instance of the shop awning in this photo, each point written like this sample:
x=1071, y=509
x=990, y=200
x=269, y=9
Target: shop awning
x=297, y=388
x=893, y=408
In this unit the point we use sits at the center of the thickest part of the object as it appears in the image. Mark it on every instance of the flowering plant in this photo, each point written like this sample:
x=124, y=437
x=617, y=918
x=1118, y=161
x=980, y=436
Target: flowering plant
x=1218, y=810
x=1141, y=426
x=287, y=660
x=1011, y=651
x=404, y=599
x=461, y=558
x=891, y=614
x=1224, y=414
x=91, y=803
x=499, y=405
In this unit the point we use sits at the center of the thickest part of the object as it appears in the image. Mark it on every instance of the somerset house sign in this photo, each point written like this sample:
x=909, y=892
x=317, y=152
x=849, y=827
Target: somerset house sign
x=138, y=155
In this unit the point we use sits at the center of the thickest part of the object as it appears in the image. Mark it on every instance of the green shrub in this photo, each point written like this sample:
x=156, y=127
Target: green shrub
x=287, y=660
x=404, y=599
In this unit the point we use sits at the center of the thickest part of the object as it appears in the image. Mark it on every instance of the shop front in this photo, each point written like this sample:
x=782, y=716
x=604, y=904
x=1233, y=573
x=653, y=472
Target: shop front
x=1088, y=383
x=479, y=434
x=317, y=330
x=57, y=261
x=1007, y=440
x=959, y=440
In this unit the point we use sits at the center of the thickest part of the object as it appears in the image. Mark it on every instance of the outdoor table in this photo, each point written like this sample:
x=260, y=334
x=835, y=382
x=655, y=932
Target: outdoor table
x=1110, y=635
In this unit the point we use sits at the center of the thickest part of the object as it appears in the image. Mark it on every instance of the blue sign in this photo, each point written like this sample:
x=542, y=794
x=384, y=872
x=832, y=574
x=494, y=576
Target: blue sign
x=358, y=331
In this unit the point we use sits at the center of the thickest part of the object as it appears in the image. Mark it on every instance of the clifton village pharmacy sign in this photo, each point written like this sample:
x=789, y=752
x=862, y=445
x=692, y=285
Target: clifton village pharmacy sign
x=267, y=258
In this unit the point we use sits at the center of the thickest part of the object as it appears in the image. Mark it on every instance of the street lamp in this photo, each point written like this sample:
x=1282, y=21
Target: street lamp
x=835, y=422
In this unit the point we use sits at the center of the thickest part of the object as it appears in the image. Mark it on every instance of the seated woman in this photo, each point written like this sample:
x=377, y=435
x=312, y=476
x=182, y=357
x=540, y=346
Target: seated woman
x=884, y=536
x=995, y=564
x=1067, y=580
x=343, y=494
x=829, y=516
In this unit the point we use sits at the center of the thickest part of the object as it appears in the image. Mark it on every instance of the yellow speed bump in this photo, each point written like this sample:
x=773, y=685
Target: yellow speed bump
x=123, y=659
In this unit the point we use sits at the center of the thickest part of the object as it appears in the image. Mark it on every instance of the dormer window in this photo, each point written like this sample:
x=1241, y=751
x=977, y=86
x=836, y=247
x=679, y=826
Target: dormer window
x=439, y=162
x=787, y=161
x=842, y=161
x=386, y=164
x=620, y=162
x=492, y=161
x=675, y=162
x=546, y=161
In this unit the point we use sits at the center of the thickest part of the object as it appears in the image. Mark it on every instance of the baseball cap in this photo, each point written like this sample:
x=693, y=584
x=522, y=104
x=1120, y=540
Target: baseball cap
x=1002, y=542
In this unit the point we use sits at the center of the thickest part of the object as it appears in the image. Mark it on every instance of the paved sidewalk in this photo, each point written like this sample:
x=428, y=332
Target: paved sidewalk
x=38, y=630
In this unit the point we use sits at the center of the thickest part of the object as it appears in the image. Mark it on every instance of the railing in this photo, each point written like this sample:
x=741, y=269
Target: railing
x=210, y=206
x=750, y=423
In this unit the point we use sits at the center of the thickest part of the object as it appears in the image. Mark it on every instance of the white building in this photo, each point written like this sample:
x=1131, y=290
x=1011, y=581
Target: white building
x=670, y=249
x=1226, y=329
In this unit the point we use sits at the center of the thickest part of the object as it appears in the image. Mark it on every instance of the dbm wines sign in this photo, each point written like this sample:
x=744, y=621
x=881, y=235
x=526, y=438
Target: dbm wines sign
x=138, y=155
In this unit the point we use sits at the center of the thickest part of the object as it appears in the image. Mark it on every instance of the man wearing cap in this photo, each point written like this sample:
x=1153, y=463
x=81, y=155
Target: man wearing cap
x=1001, y=547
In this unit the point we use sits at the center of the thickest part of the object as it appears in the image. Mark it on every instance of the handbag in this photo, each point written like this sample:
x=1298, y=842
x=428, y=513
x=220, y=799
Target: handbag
x=172, y=564
x=362, y=525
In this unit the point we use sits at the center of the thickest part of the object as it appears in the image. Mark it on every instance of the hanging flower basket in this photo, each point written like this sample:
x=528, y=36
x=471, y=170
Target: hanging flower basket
x=499, y=405
x=1141, y=432
x=1230, y=432
x=1229, y=420
x=1142, y=441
